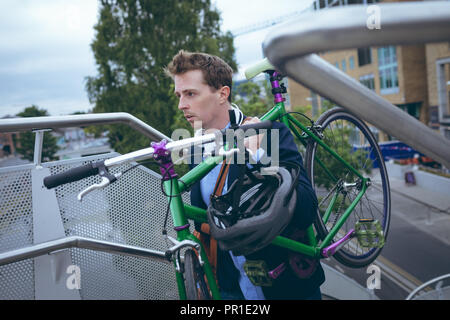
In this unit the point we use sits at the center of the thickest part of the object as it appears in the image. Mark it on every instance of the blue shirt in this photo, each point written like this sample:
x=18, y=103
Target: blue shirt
x=249, y=290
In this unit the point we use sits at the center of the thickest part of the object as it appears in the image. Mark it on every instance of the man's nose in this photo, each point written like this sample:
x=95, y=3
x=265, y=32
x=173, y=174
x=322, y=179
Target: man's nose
x=182, y=105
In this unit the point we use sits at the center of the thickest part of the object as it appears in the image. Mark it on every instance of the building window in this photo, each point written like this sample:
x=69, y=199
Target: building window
x=433, y=115
x=328, y=3
x=344, y=65
x=351, y=63
x=364, y=56
x=387, y=67
x=361, y=1
x=368, y=80
x=412, y=109
x=323, y=4
x=448, y=103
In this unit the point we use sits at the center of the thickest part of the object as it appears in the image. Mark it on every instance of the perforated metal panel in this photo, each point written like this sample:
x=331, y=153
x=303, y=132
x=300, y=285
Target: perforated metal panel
x=16, y=231
x=16, y=224
x=130, y=211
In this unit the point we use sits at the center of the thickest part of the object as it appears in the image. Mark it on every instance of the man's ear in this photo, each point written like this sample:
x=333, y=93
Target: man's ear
x=224, y=93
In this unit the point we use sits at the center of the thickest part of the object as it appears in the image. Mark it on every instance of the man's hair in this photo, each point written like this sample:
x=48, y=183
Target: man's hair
x=216, y=72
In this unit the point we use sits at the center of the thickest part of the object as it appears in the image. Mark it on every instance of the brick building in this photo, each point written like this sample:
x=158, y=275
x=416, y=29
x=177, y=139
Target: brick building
x=438, y=85
x=414, y=78
x=7, y=144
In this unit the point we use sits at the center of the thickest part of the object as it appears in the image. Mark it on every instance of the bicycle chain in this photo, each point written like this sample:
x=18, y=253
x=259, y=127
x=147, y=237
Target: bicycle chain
x=338, y=211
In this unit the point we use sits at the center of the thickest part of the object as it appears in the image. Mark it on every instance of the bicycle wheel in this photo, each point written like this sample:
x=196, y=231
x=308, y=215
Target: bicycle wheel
x=196, y=287
x=352, y=139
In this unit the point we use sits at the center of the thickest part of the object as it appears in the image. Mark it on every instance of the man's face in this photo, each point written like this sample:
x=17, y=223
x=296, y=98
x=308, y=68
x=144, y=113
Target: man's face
x=197, y=100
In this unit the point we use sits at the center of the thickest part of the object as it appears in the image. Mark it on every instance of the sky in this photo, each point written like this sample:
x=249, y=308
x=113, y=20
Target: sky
x=45, y=52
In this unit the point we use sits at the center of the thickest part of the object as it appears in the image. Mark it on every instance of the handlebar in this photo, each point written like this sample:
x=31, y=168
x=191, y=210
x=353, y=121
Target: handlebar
x=257, y=68
x=70, y=175
x=266, y=124
x=100, y=167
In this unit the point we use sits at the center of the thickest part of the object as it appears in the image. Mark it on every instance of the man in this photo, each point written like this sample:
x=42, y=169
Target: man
x=203, y=85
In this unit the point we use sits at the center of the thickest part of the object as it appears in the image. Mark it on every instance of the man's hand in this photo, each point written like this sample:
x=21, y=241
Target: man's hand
x=253, y=142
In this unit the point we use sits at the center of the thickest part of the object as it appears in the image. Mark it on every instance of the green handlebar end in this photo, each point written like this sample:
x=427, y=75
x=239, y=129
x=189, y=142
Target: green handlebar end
x=257, y=68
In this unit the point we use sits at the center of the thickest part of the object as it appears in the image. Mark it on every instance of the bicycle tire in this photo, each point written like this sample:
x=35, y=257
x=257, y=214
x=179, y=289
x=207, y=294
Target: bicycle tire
x=376, y=202
x=195, y=283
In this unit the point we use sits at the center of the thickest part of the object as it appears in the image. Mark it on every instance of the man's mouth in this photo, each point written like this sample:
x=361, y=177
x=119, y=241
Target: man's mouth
x=189, y=117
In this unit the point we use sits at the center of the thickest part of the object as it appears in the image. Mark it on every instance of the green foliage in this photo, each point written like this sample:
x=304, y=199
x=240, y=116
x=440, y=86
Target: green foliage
x=338, y=139
x=26, y=139
x=307, y=111
x=134, y=41
x=251, y=100
x=327, y=105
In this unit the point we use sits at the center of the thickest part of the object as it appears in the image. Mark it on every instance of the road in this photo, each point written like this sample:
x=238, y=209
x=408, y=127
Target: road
x=12, y=161
x=417, y=249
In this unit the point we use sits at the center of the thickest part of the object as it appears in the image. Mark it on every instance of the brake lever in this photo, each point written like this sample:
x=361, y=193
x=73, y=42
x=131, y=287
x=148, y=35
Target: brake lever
x=106, y=180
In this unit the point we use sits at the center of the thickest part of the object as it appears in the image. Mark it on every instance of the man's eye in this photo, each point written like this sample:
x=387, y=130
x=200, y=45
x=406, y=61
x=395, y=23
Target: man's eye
x=190, y=94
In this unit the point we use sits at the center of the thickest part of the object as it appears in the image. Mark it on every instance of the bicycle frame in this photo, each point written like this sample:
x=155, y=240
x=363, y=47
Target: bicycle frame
x=181, y=212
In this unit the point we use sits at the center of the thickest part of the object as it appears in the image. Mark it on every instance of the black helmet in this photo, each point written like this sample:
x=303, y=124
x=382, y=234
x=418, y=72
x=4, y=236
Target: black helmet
x=255, y=210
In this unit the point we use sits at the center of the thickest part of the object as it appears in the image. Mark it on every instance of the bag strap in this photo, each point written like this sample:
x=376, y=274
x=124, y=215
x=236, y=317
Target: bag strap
x=221, y=179
x=218, y=188
x=210, y=244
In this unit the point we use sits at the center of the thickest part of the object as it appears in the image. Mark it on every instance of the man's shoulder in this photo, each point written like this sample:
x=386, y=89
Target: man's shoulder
x=283, y=130
x=279, y=125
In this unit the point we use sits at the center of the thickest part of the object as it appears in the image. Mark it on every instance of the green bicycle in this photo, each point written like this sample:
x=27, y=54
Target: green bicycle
x=343, y=162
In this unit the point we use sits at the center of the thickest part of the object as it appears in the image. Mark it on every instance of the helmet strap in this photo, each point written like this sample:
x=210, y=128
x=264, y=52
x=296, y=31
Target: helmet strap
x=238, y=189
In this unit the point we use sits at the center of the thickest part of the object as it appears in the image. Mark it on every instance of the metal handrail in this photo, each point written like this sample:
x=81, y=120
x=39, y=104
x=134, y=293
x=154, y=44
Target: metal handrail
x=346, y=28
x=335, y=29
x=39, y=123
x=36, y=123
x=426, y=284
x=79, y=242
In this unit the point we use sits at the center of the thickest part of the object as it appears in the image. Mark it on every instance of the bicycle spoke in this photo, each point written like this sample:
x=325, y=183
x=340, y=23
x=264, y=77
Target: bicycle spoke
x=351, y=139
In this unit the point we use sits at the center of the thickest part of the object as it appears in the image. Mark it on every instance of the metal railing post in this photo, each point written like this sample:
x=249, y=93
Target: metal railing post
x=38, y=145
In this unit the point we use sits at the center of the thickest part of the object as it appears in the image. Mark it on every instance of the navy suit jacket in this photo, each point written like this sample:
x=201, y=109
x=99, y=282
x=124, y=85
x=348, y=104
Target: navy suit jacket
x=287, y=286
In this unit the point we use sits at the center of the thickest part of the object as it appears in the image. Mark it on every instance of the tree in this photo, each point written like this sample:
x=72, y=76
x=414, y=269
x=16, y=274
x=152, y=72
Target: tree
x=134, y=41
x=26, y=139
x=248, y=96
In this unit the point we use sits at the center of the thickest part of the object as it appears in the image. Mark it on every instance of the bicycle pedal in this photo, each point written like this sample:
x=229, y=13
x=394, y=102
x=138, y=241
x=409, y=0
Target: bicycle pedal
x=256, y=271
x=369, y=233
